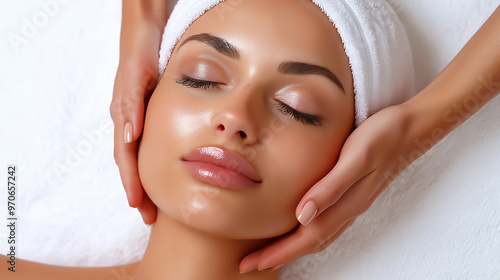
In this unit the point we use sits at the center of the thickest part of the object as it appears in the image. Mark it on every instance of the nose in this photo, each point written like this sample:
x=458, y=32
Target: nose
x=237, y=121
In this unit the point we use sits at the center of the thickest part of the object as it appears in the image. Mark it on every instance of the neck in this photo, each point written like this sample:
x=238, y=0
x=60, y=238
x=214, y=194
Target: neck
x=176, y=251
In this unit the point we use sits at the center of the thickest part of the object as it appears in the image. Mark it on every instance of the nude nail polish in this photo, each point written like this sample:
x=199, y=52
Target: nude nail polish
x=307, y=213
x=246, y=270
x=128, y=133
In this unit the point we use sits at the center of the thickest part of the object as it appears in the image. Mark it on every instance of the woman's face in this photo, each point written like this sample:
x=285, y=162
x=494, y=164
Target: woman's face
x=262, y=85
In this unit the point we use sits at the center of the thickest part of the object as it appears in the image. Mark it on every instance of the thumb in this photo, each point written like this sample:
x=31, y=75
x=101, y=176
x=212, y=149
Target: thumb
x=331, y=188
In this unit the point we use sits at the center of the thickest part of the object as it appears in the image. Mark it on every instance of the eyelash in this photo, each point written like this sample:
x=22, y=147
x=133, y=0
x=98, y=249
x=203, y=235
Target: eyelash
x=195, y=83
x=304, y=118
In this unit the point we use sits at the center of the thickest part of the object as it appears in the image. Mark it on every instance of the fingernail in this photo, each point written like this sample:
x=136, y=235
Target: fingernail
x=307, y=213
x=277, y=267
x=267, y=267
x=250, y=262
x=128, y=133
x=243, y=271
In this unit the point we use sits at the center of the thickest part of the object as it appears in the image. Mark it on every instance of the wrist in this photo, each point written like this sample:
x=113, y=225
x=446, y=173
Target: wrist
x=143, y=22
x=426, y=120
x=153, y=11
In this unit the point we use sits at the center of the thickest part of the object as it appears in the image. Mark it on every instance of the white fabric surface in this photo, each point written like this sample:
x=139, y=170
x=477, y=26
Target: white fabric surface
x=374, y=40
x=439, y=220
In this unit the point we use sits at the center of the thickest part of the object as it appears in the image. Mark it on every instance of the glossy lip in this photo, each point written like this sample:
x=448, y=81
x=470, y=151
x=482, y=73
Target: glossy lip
x=221, y=167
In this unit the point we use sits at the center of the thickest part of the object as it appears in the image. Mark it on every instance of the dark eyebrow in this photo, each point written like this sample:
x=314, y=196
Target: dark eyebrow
x=219, y=44
x=300, y=68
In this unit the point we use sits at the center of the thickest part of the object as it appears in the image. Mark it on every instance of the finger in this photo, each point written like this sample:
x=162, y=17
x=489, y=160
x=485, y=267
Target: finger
x=307, y=239
x=132, y=110
x=124, y=154
x=138, y=86
x=147, y=210
x=304, y=239
x=331, y=188
x=126, y=159
x=320, y=233
x=329, y=241
x=251, y=261
x=117, y=93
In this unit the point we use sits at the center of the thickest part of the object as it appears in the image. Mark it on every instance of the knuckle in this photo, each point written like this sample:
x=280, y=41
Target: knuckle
x=118, y=156
x=115, y=110
x=322, y=243
x=115, y=156
x=320, y=238
x=135, y=95
x=333, y=195
x=366, y=157
x=361, y=209
x=321, y=247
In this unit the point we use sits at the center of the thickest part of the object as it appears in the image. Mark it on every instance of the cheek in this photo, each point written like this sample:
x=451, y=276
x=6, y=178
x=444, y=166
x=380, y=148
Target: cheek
x=160, y=146
x=153, y=151
x=174, y=125
x=186, y=123
x=294, y=165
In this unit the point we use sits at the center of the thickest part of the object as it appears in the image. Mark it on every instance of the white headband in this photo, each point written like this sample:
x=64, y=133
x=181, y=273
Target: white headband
x=375, y=42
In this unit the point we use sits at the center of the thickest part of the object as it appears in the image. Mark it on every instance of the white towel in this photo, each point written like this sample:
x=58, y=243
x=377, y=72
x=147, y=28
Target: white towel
x=375, y=42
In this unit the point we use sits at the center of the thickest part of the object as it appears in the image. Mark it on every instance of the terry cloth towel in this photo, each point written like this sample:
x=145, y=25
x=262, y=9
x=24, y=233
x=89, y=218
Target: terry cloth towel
x=375, y=42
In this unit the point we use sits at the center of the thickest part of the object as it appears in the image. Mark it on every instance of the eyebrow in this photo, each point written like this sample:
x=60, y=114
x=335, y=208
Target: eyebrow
x=219, y=44
x=288, y=67
x=300, y=68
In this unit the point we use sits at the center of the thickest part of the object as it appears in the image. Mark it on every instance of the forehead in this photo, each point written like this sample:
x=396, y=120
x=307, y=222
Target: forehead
x=297, y=28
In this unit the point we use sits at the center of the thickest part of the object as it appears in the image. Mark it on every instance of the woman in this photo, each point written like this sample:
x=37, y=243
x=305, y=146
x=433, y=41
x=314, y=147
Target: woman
x=389, y=139
x=222, y=187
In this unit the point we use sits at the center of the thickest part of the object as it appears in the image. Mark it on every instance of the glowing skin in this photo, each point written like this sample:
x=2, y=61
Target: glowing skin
x=243, y=102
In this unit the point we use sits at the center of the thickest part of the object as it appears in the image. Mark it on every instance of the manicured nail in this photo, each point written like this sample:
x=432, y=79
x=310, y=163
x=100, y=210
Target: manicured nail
x=250, y=262
x=243, y=271
x=128, y=133
x=307, y=213
x=277, y=267
x=268, y=267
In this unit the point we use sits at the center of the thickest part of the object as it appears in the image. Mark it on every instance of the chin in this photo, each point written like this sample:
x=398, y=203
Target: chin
x=229, y=218
x=220, y=212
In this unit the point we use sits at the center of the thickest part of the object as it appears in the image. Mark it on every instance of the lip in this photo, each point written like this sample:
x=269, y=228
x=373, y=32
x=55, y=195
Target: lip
x=222, y=168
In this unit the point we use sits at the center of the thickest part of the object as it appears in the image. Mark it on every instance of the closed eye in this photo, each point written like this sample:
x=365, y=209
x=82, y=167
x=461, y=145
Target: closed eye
x=304, y=118
x=199, y=84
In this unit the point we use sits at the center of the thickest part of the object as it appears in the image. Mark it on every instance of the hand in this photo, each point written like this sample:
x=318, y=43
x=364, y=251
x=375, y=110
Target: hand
x=135, y=80
x=373, y=155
